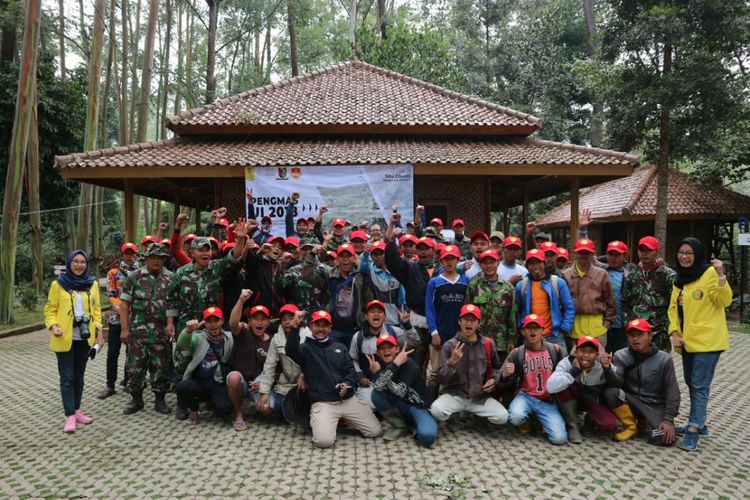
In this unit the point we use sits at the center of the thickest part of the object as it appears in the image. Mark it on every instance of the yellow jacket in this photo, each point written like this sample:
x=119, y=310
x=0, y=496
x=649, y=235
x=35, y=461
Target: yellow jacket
x=59, y=311
x=705, y=321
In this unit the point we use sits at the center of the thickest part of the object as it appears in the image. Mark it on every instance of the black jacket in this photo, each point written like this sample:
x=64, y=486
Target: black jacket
x=411, y=274
x=259, y=278
x=404, y=382
x=324, y=365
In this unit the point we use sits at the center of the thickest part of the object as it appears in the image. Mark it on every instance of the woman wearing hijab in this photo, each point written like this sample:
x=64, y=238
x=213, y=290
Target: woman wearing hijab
x=73, y=315
x=698, y=327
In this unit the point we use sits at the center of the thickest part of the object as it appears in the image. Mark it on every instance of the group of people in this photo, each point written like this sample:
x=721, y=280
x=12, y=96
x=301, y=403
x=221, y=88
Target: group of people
x=391, y=332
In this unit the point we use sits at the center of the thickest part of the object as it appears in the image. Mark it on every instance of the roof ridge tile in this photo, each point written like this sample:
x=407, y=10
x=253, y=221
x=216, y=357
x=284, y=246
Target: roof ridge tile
x=650, y=173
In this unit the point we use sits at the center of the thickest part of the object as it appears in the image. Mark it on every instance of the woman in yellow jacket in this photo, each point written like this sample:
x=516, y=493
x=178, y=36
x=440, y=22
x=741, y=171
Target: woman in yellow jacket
x=73, y=314
x=698, y=325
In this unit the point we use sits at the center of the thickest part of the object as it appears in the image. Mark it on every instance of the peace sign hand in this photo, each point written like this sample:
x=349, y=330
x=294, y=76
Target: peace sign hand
x=374, y=364
x=403, y=355
x=457, y=354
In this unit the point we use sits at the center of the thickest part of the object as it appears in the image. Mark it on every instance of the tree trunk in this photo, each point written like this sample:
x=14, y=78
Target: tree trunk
x=7, y=34
x=189, y=61
x=61, y=37
x=352, y=22
x=382, y=19
x=213, y=20
x=148, y=67
x=97, y=226
x=32, y=186
x=146, y=215
x=134, y=42
x=82, y=28
x=104, y=123
x=123, y=95
x=256, y=53
x=92, y=118
x=180, y=67
x=662, y=166
x=17, y=157
x=595, y=130
x=165, y=72
x=290, y=23
x=267, y=78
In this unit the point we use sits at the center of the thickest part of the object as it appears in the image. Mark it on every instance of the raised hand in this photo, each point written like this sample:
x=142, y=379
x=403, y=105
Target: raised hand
x=420, y=209
x=299, y=316
x=404, y=316
x=584, y=217
x=245, y=294
x=530, y=226
x=249, y=195
x=374, y=364
x=605, y=359
x=323, y=210
x=718, y=266
x=240, y=229
x=457, y=353
x=163, y=226
x=221, y=212
x=182, y=220
x=295, y=196
x=194, y=325
x=402, y=355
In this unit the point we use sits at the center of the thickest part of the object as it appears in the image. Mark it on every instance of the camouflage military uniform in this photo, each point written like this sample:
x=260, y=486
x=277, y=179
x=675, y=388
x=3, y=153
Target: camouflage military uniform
x=290, y=285
x=646, y=295
x=196, y=290
x=152, y=298
x=498, y=310
x=464, y=245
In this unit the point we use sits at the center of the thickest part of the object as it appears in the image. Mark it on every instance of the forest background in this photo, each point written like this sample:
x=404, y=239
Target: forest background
x=668, y=80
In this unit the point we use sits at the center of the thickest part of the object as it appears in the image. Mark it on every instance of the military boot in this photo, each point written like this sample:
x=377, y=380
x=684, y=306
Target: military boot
x=159, y=405
x=569, y=411
x=135, y=405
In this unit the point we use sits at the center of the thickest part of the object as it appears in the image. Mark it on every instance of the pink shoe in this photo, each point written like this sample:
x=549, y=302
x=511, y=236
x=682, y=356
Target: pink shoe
x=82, y=418
x=70, y=424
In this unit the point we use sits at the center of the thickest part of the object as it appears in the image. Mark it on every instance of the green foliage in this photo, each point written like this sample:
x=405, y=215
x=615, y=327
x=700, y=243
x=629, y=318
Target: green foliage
x=28, y=297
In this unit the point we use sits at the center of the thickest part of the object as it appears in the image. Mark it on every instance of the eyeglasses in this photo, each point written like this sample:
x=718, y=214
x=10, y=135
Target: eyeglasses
x=685, y=254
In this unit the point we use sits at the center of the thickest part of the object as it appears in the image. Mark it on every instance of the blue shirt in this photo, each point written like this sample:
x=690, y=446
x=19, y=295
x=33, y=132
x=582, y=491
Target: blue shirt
x=616, y=277
x=443, y=302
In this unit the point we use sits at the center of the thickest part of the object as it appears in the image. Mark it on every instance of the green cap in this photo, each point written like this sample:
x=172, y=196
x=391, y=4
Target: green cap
x=200, y=242
x=430, y=232
x=309, y=241
x=156, y=249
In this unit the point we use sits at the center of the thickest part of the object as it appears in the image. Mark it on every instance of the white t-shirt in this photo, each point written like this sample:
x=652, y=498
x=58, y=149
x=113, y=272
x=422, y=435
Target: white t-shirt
x=506, y=272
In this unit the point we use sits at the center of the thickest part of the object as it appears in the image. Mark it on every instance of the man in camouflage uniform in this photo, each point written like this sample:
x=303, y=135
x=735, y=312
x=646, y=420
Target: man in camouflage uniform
x=199, y=283
x=461, y=240
x=147, y=314
x=646, y=291
x=290, y=285
x=495, y=300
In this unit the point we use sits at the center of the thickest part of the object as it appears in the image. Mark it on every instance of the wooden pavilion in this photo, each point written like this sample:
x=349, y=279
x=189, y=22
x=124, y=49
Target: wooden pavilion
x=470, y=157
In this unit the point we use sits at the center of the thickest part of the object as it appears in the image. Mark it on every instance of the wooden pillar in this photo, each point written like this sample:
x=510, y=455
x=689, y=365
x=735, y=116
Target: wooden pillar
x=130, y=222
x=575, y=185
x=525, y=208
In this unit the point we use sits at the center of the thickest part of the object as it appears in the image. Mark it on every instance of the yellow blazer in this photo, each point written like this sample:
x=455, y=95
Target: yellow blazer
x=59, y=311
x=705, y=321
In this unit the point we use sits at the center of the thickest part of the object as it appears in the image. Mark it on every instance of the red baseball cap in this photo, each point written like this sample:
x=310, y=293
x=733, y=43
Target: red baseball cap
x=407, y=238
x=331, y=254
x=374, y=303
x=321, y=316
x=302, y=219
x=214, y=242
x=450, y=250
x=535, y=253
x=288, y=308
x=617, y=246
x=259, y=310
x=491, y=254
x=584, y=245
x=358, y=235
x=189, y=237
x=533, y=319
x=345, y=248
x=276, y=239
x=292, y=240
x=440, y=247
x=562, y=253
x=638, y=324
x=458, y=222
x=213, y=312
x=437, y=221
x=339, y=222
x=128, y=246
x=167, y=242
x=386, y=338
x=378, y=245
x=479, y=235
x=548, y=246
x=148, y=239
x=589, y=340
x=472, y=310
x=426, y=241
x=649, y=242
x=224, y=223
x=512, y=241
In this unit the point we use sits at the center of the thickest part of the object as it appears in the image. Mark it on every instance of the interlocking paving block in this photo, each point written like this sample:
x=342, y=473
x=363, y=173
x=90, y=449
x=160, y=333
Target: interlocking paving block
x=148, y=455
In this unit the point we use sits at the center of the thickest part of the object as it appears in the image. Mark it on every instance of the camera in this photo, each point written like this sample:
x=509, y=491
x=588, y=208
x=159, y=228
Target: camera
x=83, y=327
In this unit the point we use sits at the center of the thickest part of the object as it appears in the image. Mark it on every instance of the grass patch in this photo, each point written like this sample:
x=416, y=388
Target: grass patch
x=25, y=318
x=736, y=327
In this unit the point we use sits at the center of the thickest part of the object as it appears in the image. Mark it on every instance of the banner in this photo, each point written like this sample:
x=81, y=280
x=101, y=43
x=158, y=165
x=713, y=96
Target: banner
x=356, y=193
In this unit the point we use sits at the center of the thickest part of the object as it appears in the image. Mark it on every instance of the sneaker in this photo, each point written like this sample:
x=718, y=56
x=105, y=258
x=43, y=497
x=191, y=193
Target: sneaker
x=181, y=413
x=70, y=424
x=682, y=429
x=109, y=391
x=689, y=442
x=82, y=418
x=192, y=418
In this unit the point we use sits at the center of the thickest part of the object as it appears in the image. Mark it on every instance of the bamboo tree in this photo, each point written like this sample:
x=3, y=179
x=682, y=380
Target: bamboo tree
x=17, y=156
x=165, y=70
x=213, y=21
x=92, y=117
x=189, y=60
x=61, y=37
x=147, y=71
x=135, y=40
x=180, y=68
x=291, y=27
x=123, y=94
x=32, y=190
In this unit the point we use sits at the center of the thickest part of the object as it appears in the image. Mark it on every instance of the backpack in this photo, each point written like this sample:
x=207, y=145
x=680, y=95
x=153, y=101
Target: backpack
x=554, y=351
x=553, y=281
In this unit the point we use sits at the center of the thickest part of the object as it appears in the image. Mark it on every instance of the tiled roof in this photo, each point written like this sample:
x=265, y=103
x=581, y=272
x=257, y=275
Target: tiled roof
x=635, y=196
x=186, y=152
x=352, y=94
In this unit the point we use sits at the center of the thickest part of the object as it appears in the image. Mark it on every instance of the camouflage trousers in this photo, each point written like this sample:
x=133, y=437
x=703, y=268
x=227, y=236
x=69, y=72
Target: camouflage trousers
x=662, y=341
x=154, y=357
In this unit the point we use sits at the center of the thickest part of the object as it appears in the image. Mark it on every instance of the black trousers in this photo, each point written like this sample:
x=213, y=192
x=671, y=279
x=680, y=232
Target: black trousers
x=191, y=391
x=113, y=354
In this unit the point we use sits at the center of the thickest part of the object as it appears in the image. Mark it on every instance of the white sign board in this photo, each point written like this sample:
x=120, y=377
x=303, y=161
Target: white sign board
x=743, y=239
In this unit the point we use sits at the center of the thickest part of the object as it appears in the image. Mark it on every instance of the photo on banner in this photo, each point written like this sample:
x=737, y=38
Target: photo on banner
x=355, y=193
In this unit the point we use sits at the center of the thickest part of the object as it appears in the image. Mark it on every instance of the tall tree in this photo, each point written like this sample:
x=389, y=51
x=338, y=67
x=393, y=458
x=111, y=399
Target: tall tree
x=32, y=190
x=92, y=120
x=213, y=21
x=124, y=129
x=147, y=71
x=165, y=70
x=19, y=144
x=292, y=29
x=596, y=132
x=61, y=36
x=8, y=32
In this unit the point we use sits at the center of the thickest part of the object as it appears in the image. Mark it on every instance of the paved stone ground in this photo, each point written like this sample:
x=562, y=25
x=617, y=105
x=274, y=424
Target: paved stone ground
x=150, y=455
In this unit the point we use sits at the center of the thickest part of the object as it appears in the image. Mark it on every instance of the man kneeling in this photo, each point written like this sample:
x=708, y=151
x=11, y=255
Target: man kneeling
x=468, y=371
x=528, y=368
x=331, y=381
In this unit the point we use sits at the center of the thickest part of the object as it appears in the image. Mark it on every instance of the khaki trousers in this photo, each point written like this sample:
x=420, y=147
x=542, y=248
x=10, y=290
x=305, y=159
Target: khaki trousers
x=325, y=416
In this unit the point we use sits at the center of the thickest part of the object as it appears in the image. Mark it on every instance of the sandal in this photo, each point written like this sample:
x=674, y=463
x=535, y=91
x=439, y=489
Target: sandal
x=239, y=425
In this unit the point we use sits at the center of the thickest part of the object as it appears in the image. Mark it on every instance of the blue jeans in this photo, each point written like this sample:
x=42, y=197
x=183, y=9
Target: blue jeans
x=698, y=368
x=72, y=365
x=548, y=414
x=421, y=418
